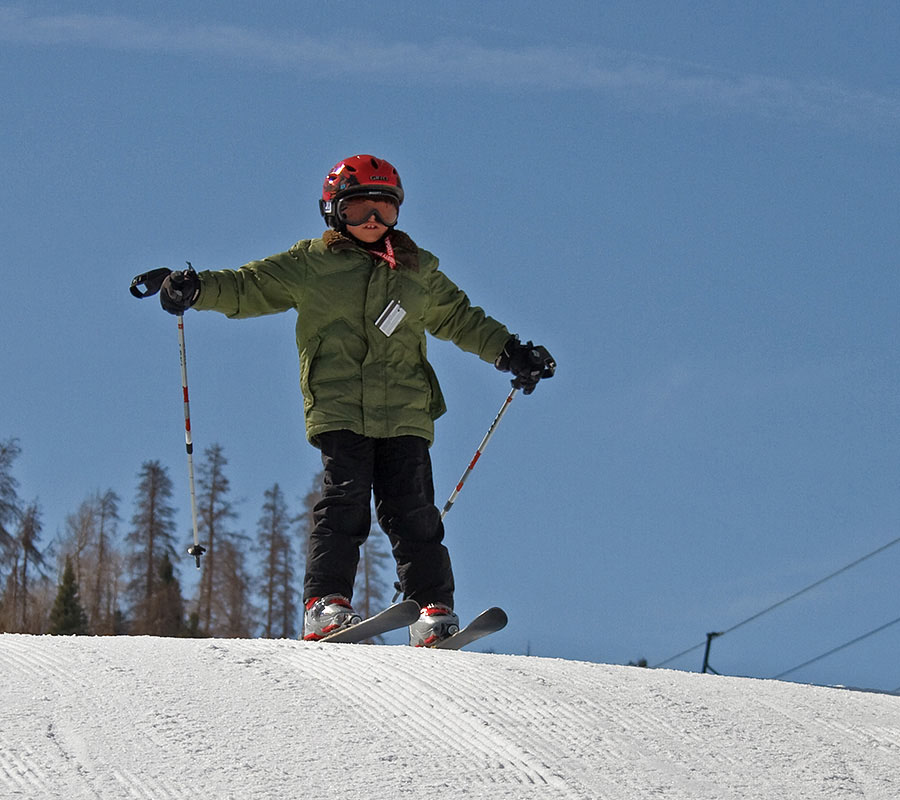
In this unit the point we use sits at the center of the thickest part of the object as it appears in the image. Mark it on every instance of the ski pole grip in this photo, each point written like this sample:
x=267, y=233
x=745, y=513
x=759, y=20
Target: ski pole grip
x=150, y=281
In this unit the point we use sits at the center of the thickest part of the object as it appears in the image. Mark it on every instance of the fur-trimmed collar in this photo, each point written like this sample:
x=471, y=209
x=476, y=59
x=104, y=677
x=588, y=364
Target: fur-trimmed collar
x=405, y=249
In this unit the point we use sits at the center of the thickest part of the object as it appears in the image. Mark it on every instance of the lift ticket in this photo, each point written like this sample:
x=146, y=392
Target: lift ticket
x=390, y=318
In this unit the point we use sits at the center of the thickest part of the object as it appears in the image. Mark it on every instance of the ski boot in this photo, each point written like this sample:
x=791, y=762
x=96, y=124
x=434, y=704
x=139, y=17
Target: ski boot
x=325, y=615
x=436, y=622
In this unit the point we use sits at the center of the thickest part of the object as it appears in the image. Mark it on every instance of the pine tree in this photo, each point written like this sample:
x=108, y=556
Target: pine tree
x=107, y=577
x=29, y=533
x=89, y=540
x=277, y=578
x=167, y=606
x=19, y=611
x=67, y=617
x=10, y=505
x=214, y=511
x=9, y=600
x=151, y=538
x=233, y=612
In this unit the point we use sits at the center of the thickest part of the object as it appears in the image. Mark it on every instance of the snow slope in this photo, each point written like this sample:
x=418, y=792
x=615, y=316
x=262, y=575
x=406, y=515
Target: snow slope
x=153, y=719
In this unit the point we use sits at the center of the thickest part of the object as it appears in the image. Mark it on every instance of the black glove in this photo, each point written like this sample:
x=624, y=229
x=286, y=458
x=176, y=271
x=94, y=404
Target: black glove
x=527, y=362
x=179, y=291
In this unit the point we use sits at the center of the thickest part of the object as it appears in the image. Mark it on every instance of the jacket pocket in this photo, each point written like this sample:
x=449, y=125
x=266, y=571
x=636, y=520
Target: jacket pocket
x=307, y=357
x=331, y=367
x=436, y=403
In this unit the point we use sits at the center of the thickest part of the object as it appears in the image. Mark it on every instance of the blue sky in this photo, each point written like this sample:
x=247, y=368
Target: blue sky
x=693, y=206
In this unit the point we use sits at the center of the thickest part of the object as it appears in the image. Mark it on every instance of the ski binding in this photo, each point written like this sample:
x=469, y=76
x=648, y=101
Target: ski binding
x=399, y=615
x=487, y=622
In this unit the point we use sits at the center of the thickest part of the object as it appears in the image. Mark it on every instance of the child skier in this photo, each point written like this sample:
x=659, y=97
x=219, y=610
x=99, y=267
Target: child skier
x=365, y=294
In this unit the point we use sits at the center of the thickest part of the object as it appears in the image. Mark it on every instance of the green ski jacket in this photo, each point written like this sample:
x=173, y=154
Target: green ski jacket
x=353, y=375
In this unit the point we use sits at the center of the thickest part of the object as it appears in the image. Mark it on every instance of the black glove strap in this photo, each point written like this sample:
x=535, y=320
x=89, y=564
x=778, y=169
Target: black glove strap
x=150, y=281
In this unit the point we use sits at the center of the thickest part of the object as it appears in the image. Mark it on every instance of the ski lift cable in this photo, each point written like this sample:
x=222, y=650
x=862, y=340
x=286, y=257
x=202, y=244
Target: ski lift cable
x=785, y=600
x=836, y=649
x=814, y=585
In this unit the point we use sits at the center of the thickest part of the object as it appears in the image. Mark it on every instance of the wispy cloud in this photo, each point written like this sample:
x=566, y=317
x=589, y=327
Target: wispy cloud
x=633, y=78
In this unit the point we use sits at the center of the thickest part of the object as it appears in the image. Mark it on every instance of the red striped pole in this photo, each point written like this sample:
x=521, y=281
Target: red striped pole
x=484, y=443
x=146, y=285
x=196, y=551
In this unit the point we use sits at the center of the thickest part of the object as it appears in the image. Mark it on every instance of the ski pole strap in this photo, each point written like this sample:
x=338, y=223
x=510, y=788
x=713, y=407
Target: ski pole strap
x=150, y=281
x=484, y=443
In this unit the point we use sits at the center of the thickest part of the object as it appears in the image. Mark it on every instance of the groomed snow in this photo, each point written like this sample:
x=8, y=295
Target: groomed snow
x=153, y=719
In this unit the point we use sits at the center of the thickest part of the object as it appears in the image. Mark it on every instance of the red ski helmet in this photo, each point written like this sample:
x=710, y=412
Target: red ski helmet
x=358, y=175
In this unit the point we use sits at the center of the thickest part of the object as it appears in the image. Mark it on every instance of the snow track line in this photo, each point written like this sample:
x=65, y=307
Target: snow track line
x=487, y=736
x=824, y=773
x=18, y=653
x=883, y=738
x=69, y=670
x=487, y=739
x=73, y=751
x=138, y=790
x=20, y=775
x=428, y=724
x=840, y=777
x=164, y=719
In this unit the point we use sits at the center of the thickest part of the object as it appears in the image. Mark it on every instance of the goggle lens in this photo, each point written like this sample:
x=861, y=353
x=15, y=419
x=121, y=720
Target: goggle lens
x=360, y=209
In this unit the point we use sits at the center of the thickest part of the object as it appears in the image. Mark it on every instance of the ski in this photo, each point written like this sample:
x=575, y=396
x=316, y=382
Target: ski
x=487, y=622
x=399, y=615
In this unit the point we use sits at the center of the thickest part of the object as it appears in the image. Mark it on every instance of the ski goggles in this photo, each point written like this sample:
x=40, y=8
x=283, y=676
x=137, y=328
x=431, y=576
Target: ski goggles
x=359, y=209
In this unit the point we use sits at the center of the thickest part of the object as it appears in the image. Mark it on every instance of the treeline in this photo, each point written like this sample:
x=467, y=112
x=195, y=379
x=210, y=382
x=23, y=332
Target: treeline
x=103, y=576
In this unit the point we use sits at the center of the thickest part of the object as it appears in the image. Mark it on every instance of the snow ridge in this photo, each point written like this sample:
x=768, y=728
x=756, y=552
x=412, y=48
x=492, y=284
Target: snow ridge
x=164, y=719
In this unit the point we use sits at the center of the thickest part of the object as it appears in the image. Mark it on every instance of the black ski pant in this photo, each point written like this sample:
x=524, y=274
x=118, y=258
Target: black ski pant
x=398, y=472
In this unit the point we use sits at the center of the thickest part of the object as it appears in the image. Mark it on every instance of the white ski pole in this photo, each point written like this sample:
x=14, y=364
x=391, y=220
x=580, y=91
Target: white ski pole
x=196, y=550
x=484, y=443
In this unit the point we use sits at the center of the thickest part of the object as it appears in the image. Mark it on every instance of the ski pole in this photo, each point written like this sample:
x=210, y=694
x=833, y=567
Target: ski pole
x=196, y=550
x=152, y=283
x=484, y=443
